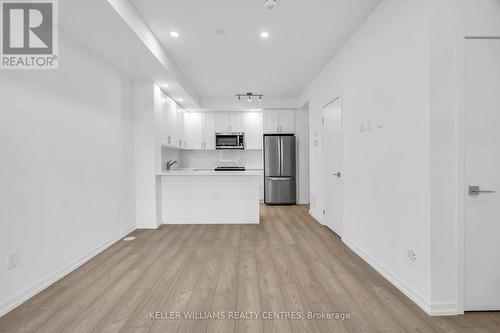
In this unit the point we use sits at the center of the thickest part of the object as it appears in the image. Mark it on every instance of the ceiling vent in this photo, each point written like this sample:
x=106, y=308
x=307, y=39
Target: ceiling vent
x=270, y=4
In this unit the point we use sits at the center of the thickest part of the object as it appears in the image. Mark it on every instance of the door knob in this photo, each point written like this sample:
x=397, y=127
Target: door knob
x=338, y=174
x=476, y=190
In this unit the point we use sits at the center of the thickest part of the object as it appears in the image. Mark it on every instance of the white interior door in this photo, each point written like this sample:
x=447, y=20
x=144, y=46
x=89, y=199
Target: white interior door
x=332, y=152
x=482, y=169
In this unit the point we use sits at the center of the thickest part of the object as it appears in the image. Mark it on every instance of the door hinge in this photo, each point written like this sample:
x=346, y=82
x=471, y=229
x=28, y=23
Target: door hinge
x=322, y=120
x=324, y=212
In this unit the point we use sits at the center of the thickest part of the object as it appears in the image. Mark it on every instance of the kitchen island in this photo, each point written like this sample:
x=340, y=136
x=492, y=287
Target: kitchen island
x=197, y=196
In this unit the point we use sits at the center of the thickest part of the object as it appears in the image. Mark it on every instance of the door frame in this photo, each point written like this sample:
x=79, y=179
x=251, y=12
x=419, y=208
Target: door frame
x=335, y=99
x=462, y=36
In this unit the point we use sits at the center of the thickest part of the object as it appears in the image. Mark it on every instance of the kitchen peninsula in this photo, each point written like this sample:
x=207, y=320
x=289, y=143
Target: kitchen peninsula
x=204, y=196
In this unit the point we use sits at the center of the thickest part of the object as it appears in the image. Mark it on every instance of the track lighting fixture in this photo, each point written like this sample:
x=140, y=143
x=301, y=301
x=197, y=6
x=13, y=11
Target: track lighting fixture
x=250, y=96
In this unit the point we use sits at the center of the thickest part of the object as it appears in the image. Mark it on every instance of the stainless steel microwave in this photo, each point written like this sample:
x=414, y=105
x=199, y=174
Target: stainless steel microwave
x=229, y=140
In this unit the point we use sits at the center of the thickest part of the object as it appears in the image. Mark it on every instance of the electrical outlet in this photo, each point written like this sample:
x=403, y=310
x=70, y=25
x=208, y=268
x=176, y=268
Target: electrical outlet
x=12, y=260
x=412, y=257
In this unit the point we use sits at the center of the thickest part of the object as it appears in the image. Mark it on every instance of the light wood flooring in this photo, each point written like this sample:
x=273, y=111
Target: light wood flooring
x=287, y=263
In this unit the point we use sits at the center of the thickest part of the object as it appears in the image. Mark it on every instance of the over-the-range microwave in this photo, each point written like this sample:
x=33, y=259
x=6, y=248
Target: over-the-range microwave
x=229, y=141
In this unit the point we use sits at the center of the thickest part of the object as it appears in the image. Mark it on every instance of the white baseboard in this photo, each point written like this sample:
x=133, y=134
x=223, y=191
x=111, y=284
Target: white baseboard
x=37, y=287
x=195, y=222
x=444, y=309
x=148, y=227
x=432, y=309
x=316, y=216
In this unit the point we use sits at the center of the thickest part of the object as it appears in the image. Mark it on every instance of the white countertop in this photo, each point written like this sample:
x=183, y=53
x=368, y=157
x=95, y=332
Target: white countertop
x=210, y=172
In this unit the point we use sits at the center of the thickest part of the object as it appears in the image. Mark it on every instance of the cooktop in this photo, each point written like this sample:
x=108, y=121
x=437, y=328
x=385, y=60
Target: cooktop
x=229, y=168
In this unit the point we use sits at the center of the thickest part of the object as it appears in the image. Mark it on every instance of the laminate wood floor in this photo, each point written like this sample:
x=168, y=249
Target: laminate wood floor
x=287, y=265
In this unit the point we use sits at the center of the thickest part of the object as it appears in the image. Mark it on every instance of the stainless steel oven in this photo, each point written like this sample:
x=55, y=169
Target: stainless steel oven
x=229, y=140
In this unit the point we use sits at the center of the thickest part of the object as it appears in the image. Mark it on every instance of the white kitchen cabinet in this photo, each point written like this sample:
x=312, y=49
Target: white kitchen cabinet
x=170, y=118
x=253, y=130
x=194, y=128
x=222, y=122
x=172, y=124
x=236, y=122
x=199, y=130
x=271, y=121
x=279, y=121
x=287, y=121
x=228, y=122
x=179, y=126
x=209, y=131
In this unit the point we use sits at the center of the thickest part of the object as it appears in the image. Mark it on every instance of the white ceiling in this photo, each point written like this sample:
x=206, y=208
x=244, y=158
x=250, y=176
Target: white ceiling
x=305, y=35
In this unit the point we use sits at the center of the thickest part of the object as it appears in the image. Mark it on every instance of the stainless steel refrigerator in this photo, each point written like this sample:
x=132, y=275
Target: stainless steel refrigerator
x=279, y=170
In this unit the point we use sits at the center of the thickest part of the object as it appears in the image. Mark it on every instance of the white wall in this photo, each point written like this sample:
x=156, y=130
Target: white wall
x=451, y=18
x=147, y=147
x=382, y=75
x=66, y=171
x=402, y=68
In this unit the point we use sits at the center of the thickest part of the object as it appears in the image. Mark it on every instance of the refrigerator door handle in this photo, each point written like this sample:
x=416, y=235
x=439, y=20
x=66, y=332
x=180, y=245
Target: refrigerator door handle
x=281, y=156
x=280, y=178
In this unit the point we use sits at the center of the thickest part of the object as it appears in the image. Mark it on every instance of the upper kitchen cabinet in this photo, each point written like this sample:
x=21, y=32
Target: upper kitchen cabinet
x=279, y=121
x=253, y=130
x=287, y=121
x=193, y=129
x=170, y=119
x=271, y=121
x=199, y=130
x=172, y=124
x=176, y=127
x=228, y=122
x=209, y=131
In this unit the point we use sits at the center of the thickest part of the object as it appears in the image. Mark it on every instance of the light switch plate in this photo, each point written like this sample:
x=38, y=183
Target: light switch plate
x=12, y=260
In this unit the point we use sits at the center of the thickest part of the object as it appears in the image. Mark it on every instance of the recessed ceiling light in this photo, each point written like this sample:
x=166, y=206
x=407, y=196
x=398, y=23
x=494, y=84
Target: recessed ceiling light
x=180, y=99
x=264, y=34
x=174, y=34
x=165, y=85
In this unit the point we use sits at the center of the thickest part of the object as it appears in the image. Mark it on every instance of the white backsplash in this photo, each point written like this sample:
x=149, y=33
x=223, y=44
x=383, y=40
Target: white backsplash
x=251, y=159
x=168, y=154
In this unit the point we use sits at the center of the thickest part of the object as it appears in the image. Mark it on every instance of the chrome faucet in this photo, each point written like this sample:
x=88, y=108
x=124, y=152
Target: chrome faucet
x=170, y=163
